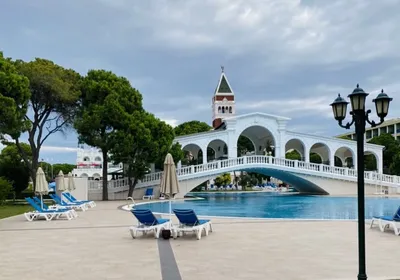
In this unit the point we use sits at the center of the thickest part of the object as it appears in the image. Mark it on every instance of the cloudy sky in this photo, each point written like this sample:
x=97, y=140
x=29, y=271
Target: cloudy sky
x=283, y=57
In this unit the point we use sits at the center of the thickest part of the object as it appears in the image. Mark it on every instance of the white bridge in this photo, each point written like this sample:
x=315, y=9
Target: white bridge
x=308, y=178
x=260, y=142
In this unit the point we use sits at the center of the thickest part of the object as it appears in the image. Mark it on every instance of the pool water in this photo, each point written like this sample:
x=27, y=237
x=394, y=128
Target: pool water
x=284, y=206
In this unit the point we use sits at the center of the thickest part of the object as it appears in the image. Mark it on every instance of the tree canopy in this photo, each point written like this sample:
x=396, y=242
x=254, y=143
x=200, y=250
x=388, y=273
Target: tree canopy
x=107, y=105
x=191, y=127
x=14, y=99
x=144, y=139
x=13, y=168
x=390, y=153
x=53, y=94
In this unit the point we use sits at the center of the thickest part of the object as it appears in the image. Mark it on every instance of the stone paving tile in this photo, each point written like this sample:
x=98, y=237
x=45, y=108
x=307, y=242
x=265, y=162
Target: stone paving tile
x=97, y=245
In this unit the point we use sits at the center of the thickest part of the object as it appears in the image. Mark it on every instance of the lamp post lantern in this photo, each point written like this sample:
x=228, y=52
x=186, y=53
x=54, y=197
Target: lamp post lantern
x=360, y=119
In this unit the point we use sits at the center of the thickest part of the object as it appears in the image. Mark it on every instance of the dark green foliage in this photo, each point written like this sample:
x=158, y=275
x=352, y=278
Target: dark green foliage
x=5, y=189
x=64, y=167
x=54, y=95
x=51, y=170
x=293, y=155
x=392, y=148
x=345, y=137
x=223, y=180
x=244, y=145
x=14, y=99
x=315, y=158
x=108, y=104
x=191, y=128
x=13, y=168
x=144, y=139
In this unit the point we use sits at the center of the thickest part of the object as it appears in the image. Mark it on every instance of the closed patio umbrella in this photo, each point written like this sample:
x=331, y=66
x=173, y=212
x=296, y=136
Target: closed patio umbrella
x=169, y=181
x=61, y=185
x=41, y=184
x=71, y=183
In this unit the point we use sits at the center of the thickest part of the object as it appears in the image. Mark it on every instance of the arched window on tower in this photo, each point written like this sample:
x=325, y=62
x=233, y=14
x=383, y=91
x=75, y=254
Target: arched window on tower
x=223, y=110
x=226, y=109
x=230, y=109
x=219, y=109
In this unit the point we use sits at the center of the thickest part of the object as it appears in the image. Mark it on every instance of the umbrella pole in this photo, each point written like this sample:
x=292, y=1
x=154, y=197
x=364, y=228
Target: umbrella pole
x=41, y=200
x=170, y=212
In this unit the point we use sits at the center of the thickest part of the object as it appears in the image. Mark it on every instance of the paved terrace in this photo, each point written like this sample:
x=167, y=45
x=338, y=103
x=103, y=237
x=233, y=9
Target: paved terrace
x=97, y=245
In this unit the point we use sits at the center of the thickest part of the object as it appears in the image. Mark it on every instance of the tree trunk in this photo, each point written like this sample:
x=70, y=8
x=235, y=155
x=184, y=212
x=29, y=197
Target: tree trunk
x=132, y=185
x=31, y=165
x=105, y=175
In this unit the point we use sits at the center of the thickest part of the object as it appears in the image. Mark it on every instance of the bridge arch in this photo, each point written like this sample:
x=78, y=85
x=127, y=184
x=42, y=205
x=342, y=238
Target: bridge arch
x=263, y=139
x=301, y=184
x=193, y=154
x=344, y=155
x=220, y=150
x=297, y=145
x=322, y=150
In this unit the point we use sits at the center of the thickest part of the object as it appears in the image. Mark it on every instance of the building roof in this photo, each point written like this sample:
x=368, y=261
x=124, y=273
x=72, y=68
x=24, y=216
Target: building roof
x=385, y=123
x=223, y=87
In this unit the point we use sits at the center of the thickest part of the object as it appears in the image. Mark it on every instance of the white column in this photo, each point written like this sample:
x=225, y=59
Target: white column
x=331, y=157
x=380, y=163
x=204, y=149
x=355, y=161
x=280, y=149
x=306, y=154
x=232, y=144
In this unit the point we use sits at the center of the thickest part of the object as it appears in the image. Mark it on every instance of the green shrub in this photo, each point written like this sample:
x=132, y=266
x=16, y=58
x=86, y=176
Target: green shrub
x=5, y=189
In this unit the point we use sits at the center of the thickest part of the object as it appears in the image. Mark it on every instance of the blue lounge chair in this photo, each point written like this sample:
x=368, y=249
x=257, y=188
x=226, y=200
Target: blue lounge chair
x=387, y=221
x=188, y=222
x=76, y=205
x=53, y=207
x=47, y=214
x=148, y=194
x=148, y=222
x=72, y=199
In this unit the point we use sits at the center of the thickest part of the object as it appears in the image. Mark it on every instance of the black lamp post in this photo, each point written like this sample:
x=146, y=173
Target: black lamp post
x=360, y=119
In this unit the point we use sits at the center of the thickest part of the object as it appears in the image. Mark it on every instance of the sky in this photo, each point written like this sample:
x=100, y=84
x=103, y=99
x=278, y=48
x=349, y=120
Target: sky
x=284, y=57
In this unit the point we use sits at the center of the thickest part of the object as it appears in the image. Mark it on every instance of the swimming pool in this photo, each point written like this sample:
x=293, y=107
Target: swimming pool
x=284, y=206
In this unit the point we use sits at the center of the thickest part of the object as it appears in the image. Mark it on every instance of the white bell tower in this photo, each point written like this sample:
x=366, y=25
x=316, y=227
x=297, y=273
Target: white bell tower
x=223, y=102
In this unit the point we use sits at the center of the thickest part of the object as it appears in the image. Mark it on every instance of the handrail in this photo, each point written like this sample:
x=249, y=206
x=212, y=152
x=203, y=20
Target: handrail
x=255, y=160
x=273, y=161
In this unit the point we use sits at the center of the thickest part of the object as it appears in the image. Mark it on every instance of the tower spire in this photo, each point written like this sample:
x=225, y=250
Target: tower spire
x=223, y=87
x=223, y=102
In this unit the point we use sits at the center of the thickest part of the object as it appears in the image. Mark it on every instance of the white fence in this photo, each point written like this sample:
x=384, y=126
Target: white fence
x=295, y=166
x=216, y=167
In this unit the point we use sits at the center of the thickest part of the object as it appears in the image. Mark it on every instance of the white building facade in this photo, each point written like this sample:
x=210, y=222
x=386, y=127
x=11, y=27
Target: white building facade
x=89, y=164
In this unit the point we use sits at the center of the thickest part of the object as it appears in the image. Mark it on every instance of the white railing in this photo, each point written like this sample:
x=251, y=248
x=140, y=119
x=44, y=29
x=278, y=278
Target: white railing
x=301, y=167
x=211, y=168
x=112, y=185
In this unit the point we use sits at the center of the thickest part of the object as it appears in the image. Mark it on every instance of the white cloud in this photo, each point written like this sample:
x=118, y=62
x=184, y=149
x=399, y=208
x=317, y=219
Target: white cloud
x=52, y=149
x=55, y=149
x=171, y=122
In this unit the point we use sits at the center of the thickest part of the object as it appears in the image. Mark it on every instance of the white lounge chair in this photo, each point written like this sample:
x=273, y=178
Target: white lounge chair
x=388, y=221
x=147, y=222
x=47, y=214
x=188, y=222
x=148, y=194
